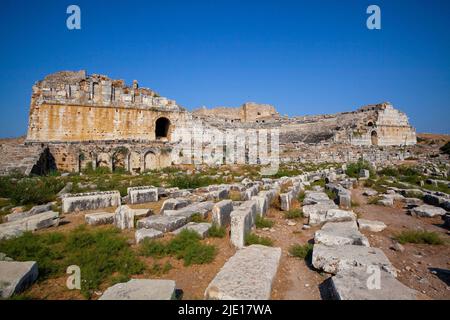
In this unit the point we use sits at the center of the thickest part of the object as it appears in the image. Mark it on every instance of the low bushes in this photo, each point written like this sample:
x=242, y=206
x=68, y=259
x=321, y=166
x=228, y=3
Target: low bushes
x=216, y=232
x=186, y=245
x=419, y=237
x=255, y=239
x=293, y=214
x=301, y=251
x=262, y=222
x=98, y=253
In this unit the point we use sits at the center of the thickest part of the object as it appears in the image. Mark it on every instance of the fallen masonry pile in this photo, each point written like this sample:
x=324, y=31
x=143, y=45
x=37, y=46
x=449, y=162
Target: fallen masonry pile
x=32, y=223
x=340, y=249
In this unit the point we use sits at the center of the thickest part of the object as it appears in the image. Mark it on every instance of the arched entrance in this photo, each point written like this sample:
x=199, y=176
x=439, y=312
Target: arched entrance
x=162, y=126
x=374, y=138
x=150, y=161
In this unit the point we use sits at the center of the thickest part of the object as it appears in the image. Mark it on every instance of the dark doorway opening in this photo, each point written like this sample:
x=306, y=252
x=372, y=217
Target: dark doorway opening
x=162, y=126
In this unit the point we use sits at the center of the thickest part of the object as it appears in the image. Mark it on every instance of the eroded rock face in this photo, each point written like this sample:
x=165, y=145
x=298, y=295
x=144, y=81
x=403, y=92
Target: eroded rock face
x=141, y=289
x=16, y=276
x=248, y=275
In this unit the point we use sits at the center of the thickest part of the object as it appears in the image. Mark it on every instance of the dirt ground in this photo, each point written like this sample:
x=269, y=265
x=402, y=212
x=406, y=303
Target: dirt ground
x=422, y=267
x=425, y=268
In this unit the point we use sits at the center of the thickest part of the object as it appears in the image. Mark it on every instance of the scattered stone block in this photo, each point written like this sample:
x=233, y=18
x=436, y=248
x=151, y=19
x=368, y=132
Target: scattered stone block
x=174, y=204
x=142, y=234
x=371, y=225
x=356, y=285
x=337, y=215
x=142, y=194
x=201, y=208
x=369, y=192
x=427, y=211
x=364, y=174
x=345, y=201
x=90, y=201
x=124, y=218
x=262, y=205
x=340, y=233
x=221, y=213
x=16, y=276
x=99, y=218
x=241, y=224
x=162, y=222
x=248, y=275
x=340, y=258
x=141, y=289
x=39, y=221
x=386, y=201
x=35, y=210
x=201, y=228
x=315, y=197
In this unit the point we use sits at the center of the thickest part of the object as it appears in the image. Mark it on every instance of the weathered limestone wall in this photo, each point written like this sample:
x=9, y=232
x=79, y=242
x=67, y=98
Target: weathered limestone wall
x=51, y=122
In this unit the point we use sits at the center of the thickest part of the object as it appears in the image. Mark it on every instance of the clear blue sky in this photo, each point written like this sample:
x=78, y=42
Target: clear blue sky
x=304, y=57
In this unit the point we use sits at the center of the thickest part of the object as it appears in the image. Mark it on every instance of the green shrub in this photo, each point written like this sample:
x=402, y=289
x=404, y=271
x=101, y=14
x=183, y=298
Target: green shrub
x=216, y=232
x=419, y=237
x=353, y=169
x=301, y=251
x=301, y=196
x=153, y=248
x=255, y=239
x=159, y=269
x=293, y=214
x=30, y=190
x=192, y=181
x=197, y=217
x=261, y=222
x=186, y=245
x=98, y=253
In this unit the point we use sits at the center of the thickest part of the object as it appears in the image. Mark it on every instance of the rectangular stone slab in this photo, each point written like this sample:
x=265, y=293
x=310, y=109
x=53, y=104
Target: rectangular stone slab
x=248, y=275
x=99, y=218
x=353, y=285
x=340, y=233
x=141, y=289
x=16, y=276
x=162, y=223
x=333, y=259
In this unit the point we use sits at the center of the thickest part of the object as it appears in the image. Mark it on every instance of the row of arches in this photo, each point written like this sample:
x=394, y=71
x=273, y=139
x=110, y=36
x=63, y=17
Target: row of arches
x=121, y=159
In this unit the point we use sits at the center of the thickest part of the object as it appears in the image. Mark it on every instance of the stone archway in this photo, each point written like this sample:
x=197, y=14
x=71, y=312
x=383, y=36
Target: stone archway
x=162, y=126
x=120, y=159
x=374, y=138
x=134, y=162
x=150, y=161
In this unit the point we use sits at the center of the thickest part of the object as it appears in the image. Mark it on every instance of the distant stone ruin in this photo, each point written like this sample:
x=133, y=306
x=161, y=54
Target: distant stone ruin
x=78, y=120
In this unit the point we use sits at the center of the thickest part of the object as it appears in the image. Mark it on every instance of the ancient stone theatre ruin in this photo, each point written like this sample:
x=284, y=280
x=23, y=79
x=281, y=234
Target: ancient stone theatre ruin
x=80, y=119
